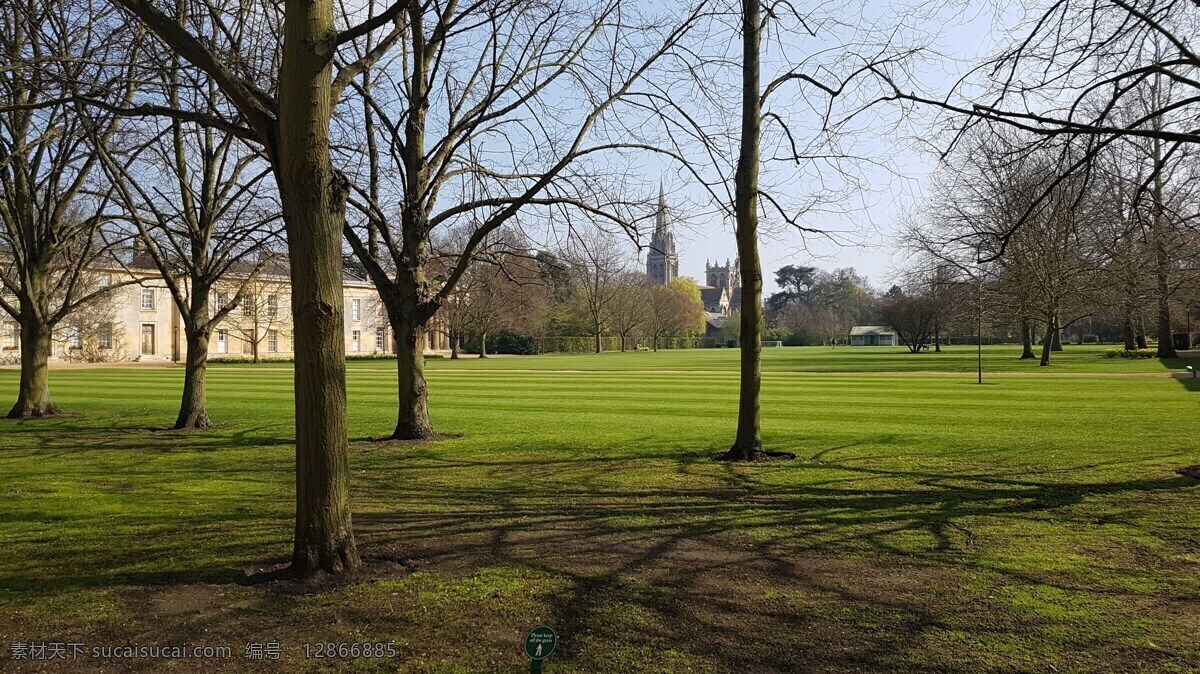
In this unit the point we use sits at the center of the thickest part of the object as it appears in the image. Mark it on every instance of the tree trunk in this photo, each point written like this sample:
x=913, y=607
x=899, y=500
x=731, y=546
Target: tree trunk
x=1027, y=339
x=454, y=346
x=1056, y=342
x=193, y=410
x=937, y=337
x=413, y=420
x=33, y=396
x=1141, y=338
x=483, y=345
x=1127, y=328
x=656, y=343
x=599, y=343
x=1048, y=343
x=747, y=444
x=314, y=198
x=1166, y=347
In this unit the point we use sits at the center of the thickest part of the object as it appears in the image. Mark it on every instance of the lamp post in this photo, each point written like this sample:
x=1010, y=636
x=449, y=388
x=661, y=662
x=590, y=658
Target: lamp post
x=979, y=323
x=979, y=346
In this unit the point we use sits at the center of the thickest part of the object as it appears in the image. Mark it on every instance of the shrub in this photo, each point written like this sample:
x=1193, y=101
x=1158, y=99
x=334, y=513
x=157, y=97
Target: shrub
x=1130, y=353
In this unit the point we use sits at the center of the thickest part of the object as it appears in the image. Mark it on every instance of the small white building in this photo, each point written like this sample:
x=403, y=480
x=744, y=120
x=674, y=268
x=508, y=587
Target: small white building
x=873, y=335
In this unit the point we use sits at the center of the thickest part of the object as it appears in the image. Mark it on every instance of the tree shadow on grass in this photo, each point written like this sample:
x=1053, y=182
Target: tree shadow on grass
x=686, y=562
x=61, y=437
x=816, y=564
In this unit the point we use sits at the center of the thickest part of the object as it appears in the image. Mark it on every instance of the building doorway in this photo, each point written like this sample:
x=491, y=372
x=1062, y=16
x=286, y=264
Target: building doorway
x=148, y=339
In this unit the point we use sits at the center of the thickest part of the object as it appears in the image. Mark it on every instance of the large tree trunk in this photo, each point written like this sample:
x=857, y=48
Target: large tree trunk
x=193, y=410
x=314, y=199
x=747, y=444
x=483, y=345
x=454, y=346
x=599, y=342
x=1141, y=337
x=1056, y=343
x=1048, y=343
x=1027, y=339
x=33, y=396
x=413, y=420
x=937, y=338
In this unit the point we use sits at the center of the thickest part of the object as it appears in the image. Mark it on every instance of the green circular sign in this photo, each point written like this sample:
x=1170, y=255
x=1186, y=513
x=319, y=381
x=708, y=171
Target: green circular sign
x=540, y=642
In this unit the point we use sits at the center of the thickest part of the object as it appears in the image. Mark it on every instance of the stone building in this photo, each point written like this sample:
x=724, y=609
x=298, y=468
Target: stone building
x=140, y=322
x=722, y=291
x=662, y=262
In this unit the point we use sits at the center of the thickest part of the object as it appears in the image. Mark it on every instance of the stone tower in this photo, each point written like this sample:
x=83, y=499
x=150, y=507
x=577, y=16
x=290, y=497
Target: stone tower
x=662, y=262
x=722, y=276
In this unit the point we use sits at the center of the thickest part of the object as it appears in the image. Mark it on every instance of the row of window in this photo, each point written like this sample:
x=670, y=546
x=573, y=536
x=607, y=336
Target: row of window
x=150, y=303
x=74, y=339
x=223, y=342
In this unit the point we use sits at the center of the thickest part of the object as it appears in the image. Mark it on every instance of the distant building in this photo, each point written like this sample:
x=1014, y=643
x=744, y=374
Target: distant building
x=714, y=325
x=722, y=292
x=140, y=322
x=873, y=335
x=662, y=262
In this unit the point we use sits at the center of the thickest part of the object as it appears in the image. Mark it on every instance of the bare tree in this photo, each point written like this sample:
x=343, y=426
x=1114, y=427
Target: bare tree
x=92, y=332
x=787, y=133
x=52, y=211
x=1069, y=78
x=628, y=311
x=206, y=215
x=912, y=314
x=284, y=100
x=254, y=310
x=596, y=263
x=507, y=294
x=466, y=80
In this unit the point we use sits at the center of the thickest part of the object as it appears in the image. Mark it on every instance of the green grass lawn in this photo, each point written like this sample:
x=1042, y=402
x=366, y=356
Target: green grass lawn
x=1035, y=523
x=1005, y=358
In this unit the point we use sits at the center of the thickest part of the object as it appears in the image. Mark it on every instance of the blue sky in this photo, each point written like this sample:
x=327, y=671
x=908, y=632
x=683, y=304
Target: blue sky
x=961, y=36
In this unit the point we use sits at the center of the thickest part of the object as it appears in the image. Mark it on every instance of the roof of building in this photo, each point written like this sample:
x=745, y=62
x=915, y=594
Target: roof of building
x=871, y=330
x=710, y=295
x=715, y=319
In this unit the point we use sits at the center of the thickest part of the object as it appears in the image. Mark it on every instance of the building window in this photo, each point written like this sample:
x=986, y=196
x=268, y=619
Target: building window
x=355, y=310
x=148, y=298
x=247, y=307
x=105, y=280
x=220, y=302
x=247, y=346
x=272, y=341
x=222, y=341
x=11, y=333
x=106, y=335
x=74, y=338
x=379, y=310
x=355, y=340
x=148, y=339
x=272, y=306
x=380, y=345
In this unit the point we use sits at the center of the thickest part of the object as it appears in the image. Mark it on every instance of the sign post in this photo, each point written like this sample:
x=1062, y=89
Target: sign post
x=539, y=644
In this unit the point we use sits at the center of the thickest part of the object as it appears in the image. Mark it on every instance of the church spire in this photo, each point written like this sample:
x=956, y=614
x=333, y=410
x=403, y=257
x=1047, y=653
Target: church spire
x=660, y=217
